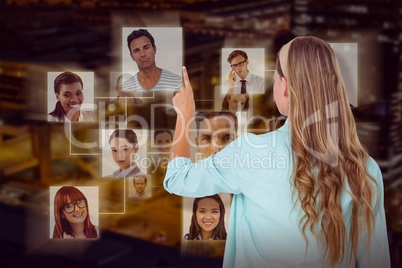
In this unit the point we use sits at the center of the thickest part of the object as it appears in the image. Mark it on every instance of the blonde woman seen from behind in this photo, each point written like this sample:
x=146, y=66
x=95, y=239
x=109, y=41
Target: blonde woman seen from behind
x=318, y=202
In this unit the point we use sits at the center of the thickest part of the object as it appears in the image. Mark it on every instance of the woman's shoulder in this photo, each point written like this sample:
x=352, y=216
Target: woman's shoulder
x=372, y=165
x=269, y=139
x=115, y=173
x=374, y=170
x=52, y=118
x=136, y=172
x=97, y=230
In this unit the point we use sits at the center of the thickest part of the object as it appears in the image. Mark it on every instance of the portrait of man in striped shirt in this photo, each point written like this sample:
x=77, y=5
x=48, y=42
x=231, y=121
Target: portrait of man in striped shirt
x=149, y=77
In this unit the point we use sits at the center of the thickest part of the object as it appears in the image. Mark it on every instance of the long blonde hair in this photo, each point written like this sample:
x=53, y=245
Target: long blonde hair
x=328, y=158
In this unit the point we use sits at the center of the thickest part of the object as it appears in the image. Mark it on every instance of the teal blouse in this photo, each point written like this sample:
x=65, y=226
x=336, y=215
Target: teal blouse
x=264, y=220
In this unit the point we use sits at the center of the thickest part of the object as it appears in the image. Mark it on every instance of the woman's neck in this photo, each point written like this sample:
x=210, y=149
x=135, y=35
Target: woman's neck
x=77, y=230
x=206, y=235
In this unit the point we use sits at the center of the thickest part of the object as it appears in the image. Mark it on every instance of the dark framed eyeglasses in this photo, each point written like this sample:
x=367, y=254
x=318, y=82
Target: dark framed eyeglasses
x=70, y=207
x=240, y=64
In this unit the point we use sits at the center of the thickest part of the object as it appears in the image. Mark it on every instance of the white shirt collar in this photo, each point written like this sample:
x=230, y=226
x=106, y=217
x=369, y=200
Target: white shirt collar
x=247, y=78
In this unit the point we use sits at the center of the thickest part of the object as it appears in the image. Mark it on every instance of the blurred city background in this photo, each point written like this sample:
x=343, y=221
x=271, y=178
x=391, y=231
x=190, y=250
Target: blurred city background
x=40, y=36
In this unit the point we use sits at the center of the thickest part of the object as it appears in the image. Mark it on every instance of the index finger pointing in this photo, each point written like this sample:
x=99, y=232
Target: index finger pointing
x=186, y=79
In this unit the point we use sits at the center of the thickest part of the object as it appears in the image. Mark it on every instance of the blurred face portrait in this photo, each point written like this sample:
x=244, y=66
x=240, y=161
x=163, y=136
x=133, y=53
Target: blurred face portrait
x=140, y=185
x=119, y=87
x=208, y=215
x=214, y=134
x=239, y=65
x=122, y=151
x=75, y=213
x=70, y=96
x=236, y=102
x=142, y=52
x=163, y=142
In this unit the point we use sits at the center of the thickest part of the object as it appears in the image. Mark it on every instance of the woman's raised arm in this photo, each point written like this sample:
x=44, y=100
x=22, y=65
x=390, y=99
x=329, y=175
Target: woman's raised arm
x=184, y=106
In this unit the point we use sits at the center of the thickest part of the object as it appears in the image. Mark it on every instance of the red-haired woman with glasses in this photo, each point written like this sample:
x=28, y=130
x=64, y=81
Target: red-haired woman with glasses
x=71, y=215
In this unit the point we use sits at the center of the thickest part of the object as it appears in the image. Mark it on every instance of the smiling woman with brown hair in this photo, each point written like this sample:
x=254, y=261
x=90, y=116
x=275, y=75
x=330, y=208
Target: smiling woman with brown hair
x=68, y=88
x=208, y=219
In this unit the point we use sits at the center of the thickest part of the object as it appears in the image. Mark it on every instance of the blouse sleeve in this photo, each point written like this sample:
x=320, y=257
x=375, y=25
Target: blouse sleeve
x=215, y=174
x=378, y=253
